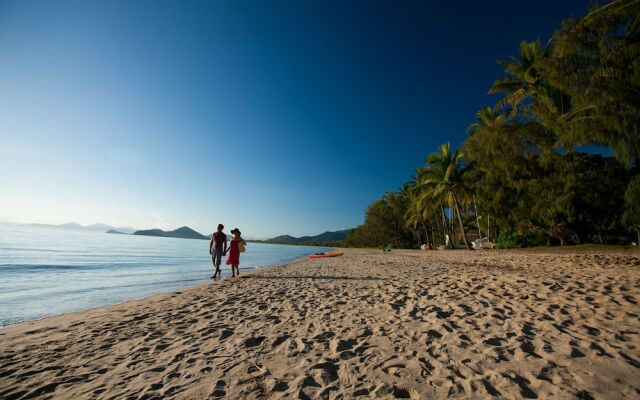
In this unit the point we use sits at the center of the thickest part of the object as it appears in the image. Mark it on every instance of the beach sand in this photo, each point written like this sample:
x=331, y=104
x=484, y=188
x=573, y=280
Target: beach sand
x=400, y=324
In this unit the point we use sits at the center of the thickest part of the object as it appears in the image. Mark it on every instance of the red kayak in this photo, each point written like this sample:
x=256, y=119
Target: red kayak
x=328, y=254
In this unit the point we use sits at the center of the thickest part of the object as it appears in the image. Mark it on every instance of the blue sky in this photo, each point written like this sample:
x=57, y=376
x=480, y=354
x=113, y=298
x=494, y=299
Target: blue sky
x=276, y=117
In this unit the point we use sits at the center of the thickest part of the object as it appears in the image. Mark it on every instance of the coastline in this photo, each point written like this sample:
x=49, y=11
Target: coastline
x=104, y=270
x=370, y=324
x=153, y=296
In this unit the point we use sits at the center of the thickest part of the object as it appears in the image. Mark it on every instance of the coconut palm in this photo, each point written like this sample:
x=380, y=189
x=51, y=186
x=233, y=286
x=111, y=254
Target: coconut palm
x=443, y=181
x=487, y=118
x=418, y=212
x=524, y=77
x=413, y=215
x=395, y=206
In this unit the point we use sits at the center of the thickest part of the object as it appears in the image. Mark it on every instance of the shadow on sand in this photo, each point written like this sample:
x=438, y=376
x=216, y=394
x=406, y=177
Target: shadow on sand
x=315, y=277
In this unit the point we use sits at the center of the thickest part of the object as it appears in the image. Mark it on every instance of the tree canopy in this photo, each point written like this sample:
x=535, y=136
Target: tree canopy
x=523, y=168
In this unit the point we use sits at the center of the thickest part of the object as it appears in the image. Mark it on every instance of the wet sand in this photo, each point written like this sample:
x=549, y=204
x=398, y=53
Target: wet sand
x=370, y=324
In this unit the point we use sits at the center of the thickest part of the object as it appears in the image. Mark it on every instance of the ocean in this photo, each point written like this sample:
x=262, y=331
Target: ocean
x=51, y=271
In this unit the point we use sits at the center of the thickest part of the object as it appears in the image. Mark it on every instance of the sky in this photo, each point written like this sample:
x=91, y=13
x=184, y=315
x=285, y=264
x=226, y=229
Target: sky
x=276, y=117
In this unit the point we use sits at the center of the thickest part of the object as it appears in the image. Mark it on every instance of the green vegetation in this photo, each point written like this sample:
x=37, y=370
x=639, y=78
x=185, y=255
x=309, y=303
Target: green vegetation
x=522, y=177
x=631, y=215
x=325, y=239
x=508, y=239
x=320, y=240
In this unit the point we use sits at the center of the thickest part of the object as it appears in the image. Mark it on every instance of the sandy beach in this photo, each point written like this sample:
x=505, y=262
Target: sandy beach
x=370, y=324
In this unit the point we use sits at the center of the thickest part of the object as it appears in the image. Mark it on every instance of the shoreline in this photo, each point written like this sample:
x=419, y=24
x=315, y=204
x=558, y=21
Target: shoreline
x=369, y=324
x=150, y=297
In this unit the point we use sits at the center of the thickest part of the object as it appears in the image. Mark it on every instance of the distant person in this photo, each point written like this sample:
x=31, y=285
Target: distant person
x=218, y=247
x=235, y=248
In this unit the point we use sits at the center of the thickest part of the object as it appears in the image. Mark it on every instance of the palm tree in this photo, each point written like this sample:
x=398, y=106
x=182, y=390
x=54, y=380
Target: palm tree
x=524, y=77
x=443, y=181
x=417, y=212
x=413, y=216
x=487, y=118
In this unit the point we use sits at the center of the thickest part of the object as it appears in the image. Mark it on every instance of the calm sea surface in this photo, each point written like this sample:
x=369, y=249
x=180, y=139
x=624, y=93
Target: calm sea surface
x=50, y=271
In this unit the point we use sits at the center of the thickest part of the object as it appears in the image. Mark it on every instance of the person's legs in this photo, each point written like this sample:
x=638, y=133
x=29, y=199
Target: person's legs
x=213, y=260
x=217, y=261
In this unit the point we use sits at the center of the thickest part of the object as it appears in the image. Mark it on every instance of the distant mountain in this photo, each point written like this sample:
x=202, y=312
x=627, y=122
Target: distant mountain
x=99, y=227
x=183, y=233
x=283, y=238
x=116, y=232
x=71, y=225
x=325, y=237
x=126, y=229
x=104, y=227
x=93, y=227
x=151, y=232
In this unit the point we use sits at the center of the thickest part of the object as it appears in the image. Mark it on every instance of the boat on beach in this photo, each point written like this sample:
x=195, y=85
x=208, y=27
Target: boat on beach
x=327, y=254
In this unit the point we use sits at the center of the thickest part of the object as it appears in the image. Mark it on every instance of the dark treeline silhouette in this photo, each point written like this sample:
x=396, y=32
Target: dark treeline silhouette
x=522, y=176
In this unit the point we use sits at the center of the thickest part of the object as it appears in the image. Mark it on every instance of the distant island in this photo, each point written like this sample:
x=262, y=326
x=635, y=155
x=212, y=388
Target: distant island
x=182, y=233
x=92, y=227
x=326, y=238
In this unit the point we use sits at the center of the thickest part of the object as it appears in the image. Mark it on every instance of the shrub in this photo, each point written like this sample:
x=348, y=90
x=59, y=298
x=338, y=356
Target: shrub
x=533, y=240
x=508, y=239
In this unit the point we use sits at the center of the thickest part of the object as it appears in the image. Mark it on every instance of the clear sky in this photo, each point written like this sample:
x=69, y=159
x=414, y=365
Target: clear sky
x=275, y=117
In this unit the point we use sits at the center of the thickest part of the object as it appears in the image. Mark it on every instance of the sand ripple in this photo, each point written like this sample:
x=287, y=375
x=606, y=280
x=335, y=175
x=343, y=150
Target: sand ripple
x=404, y=324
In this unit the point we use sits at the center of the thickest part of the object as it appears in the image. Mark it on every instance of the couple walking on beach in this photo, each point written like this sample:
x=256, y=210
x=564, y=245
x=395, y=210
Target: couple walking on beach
x=218, y=248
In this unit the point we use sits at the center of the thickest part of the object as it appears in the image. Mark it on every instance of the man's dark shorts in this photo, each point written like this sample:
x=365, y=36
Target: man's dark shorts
x=216, y=257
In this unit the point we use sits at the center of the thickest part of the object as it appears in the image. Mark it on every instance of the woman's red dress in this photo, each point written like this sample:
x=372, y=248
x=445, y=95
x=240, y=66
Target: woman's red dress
x=234, y=253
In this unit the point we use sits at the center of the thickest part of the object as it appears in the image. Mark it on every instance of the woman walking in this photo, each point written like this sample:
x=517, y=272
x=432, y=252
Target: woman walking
x=236, y=246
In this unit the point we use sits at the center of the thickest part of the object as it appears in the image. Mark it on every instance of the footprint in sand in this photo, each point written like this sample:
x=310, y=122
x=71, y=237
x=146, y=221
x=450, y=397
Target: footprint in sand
x=219, y=390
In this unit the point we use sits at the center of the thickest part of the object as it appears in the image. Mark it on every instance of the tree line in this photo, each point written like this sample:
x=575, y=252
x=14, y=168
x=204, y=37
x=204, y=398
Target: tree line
x=522, y=177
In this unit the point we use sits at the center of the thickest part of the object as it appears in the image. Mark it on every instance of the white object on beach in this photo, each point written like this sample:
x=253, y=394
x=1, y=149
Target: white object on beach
x=483, y=243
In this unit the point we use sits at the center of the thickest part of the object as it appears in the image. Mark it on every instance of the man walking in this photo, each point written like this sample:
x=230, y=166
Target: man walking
x=218, y=247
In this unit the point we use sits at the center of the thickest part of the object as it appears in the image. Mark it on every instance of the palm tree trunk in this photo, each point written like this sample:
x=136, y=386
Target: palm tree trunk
x=452, y=226
x=475, y=209
x=445, y=226
x=425, y=232
x=464, y=236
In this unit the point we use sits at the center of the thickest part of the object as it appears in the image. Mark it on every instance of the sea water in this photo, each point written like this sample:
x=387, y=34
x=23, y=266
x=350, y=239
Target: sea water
x=51, y=271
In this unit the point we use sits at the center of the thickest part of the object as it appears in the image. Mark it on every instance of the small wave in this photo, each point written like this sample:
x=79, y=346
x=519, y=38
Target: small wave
x=4, y=322
x=26, y=268
x=138, y=284
x=36, y=267
x=32, y=250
